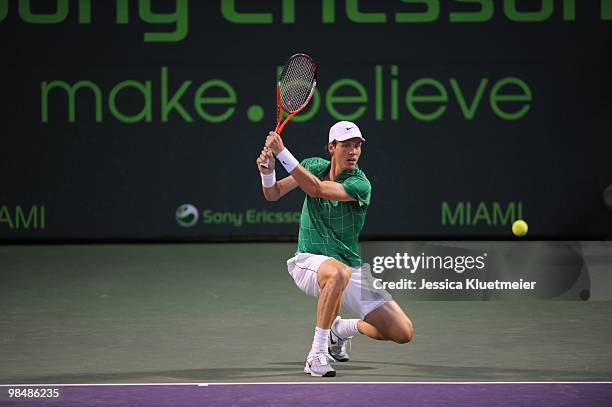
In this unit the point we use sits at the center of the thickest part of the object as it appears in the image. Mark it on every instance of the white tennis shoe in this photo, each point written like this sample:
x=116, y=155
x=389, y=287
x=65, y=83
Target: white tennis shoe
x=319, y=365
x=337, y=345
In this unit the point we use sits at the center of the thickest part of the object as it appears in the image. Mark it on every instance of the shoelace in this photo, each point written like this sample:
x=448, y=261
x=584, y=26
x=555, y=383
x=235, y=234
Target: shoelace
x=324, y=358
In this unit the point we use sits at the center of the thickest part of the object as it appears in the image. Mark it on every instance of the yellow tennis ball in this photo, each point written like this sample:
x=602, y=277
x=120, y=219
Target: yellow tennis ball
x=519, y=228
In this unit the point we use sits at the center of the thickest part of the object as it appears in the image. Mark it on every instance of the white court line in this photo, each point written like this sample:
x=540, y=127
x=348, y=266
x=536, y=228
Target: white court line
x=331, y=382
x=274, y=383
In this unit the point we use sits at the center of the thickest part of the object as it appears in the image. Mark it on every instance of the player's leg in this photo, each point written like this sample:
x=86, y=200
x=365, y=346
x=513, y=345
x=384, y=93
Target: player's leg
x=381, y=317
x=332, y=277
x=325, y=279
x=387, y=322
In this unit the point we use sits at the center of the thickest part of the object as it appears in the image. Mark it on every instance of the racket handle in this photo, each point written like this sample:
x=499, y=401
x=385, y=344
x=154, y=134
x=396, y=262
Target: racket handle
x=278, y=130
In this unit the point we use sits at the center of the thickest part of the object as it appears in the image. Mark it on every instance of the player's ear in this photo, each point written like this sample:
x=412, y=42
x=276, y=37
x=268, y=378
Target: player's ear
x=331, y=147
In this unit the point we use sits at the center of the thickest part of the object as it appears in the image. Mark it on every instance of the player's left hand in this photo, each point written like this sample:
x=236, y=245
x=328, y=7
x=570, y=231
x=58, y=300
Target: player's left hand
x=274, y=142
x=266, y=155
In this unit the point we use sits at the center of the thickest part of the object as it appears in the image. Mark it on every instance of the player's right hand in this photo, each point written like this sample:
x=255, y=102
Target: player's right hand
x=266, y=154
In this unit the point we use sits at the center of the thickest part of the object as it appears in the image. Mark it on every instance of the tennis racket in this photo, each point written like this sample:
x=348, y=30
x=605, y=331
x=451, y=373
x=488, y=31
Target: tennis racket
x=294, y=89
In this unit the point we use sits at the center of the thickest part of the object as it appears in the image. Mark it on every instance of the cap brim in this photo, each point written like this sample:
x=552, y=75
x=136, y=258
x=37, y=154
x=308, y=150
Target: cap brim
x=345, y=137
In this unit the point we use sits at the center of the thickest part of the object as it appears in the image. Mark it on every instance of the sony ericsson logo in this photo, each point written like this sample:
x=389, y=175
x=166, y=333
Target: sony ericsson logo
x=424, y=11
x=174, y=17
x=187, y=215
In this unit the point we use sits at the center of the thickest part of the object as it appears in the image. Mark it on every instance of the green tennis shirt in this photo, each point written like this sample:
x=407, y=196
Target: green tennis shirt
x=331, y=228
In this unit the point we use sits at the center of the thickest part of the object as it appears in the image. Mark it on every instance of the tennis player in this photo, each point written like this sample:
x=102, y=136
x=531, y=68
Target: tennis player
x=327, y=263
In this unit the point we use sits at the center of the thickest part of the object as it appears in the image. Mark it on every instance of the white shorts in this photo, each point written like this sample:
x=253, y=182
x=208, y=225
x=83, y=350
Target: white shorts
x=359, y=296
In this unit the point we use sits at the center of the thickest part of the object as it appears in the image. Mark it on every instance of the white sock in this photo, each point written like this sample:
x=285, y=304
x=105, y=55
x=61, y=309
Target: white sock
x=346, y=328
x=319, y=343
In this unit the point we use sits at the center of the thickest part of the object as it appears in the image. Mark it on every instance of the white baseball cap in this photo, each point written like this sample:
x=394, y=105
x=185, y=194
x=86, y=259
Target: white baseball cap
x=344, y=130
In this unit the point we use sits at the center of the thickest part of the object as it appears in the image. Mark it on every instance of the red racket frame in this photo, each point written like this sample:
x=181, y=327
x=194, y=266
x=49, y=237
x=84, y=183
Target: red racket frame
x=279, y=104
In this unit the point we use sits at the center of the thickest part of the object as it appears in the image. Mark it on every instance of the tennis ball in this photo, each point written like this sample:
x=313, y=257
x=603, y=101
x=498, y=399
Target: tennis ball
x=519, y=228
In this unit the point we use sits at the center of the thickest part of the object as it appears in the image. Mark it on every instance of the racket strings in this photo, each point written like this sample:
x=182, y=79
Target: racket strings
x=296, y=82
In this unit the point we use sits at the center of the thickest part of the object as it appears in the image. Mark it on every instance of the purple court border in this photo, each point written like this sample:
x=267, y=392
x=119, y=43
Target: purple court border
x=475, y=394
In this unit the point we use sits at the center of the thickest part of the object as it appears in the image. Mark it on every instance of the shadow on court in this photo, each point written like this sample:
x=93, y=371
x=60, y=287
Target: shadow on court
x=291, y=371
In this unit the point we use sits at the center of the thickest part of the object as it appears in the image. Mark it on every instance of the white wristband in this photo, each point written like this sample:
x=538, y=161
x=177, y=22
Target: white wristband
x=268, y=180
x=288, y=160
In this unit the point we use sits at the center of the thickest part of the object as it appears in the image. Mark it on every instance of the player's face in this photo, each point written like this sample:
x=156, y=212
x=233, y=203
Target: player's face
x=347, y=153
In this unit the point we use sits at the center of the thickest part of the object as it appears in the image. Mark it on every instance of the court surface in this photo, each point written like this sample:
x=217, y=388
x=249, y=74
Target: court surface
x=230, y=313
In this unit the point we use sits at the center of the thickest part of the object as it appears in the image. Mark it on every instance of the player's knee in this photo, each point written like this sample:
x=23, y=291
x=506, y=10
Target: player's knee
x=341, y=275
x=334, y=274
x=404, y=333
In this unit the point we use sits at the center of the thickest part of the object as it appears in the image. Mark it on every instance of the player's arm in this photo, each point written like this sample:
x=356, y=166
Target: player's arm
x=303, y=178
x=313, y=186
x=273, y=190
x=280, y=189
